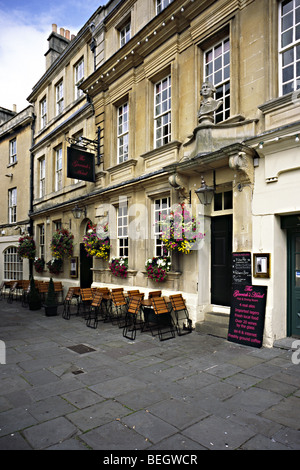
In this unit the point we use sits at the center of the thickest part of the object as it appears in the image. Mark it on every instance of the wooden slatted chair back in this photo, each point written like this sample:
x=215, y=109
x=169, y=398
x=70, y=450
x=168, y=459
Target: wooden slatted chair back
x=43, y=288
x=177, y=302
x=58, y=287
x=156, y=293
x=159, y=305
x=118, y=298
x=134, y=305
x=86, y=294
x=131, y=293
x=97, y=299
x=70, y=294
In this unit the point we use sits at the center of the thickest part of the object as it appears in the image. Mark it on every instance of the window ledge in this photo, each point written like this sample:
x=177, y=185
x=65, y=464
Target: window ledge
x=12, y=164
x=175, y=144
x=121, y=166
x=277, y=103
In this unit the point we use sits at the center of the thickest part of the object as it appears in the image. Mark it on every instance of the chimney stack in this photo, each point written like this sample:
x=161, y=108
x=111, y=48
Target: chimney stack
x=57, y=43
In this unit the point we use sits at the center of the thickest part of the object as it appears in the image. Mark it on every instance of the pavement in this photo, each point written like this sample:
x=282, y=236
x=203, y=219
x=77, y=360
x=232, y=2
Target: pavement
x=65, y=386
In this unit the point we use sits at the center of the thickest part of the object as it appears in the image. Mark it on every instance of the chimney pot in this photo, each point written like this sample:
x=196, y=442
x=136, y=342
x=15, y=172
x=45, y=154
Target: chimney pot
x=54, y=28
x=67, y=34
x=72, y=37
x=62, y=32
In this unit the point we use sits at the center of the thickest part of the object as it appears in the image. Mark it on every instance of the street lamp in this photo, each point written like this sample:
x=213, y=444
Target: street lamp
x=205, y=194
x=78, y=211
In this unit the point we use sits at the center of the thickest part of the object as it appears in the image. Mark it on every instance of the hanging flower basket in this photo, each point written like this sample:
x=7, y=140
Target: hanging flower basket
x=62, y=244
x=39, y=265
x=180, y=230
x=26, y=248
x=158, y=268
x=55, y=265
x=119, y=267
x=96, y=243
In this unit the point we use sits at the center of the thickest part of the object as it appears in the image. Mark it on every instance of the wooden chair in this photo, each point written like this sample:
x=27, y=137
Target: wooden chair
x=94, y=311
x=131, y=318
x=118, y=307
x=164, y=320
x=155, y=293
x=58, y=289
x=25, y=295
x=86, y=297
x=179, y=307
x=43, y=290
x=12, y=291
x=67, y=304
x=2, y=290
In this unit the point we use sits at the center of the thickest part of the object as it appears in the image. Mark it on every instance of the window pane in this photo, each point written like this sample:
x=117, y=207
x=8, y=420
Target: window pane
x=218, y=202
x=228, y=200
x=288, y=57
x=287, y=38
x=288, y=88
x=287, y=21
x=287, y=6
x=288, y=73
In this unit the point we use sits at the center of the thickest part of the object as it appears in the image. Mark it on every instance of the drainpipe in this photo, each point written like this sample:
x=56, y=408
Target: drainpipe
x=31, y=188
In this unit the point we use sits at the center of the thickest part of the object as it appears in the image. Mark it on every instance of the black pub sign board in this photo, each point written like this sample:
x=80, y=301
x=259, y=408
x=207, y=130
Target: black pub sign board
x=241, y=268
x=81, y=165
x=247, y=315
x=248, y=304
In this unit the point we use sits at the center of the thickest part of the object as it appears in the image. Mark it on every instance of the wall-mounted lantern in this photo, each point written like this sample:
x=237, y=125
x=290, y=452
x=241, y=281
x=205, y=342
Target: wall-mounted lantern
x=205, y=194
x=78, y=211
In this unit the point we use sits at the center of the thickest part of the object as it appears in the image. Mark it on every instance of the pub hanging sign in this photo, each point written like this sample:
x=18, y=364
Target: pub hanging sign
x=80, y=165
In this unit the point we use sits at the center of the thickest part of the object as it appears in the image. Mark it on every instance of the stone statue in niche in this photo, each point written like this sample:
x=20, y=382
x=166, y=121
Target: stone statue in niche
x=208, y=105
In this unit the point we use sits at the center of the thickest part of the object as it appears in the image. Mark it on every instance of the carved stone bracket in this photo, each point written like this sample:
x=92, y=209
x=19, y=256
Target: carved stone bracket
x=180, y=186
x=242, y=163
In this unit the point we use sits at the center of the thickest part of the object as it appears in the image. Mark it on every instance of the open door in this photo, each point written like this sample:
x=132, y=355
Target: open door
x=221, y=260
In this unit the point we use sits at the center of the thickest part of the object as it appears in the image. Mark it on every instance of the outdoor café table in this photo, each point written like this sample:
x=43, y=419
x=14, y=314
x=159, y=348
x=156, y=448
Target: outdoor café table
x=149, y=315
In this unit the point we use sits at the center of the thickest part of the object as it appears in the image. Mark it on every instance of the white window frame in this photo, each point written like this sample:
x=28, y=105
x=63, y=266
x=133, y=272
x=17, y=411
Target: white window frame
x=58, y=169
x=12, y=205
x=216, y=68
x=43, y=113
x=162, y=112
x=42, y=240
x=122, y=230
x=42, y=172
x=125, y=34
x=162, y=4
x=162, y=206
x=78, y=78
x=13, y=151
x=13, y=264
x=289, y=53
x=59, y=94
x=123, y=132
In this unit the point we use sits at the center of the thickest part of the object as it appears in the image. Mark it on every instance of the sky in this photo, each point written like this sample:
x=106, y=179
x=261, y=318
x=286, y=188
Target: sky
x=25, y=26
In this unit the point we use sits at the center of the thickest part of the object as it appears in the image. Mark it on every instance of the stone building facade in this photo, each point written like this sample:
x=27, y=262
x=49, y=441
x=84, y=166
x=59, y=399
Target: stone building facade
x=164, y=136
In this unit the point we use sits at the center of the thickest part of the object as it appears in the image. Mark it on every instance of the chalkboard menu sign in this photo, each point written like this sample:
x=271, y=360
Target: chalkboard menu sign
x=247, y=315
x=81, y=165
x=241, y=268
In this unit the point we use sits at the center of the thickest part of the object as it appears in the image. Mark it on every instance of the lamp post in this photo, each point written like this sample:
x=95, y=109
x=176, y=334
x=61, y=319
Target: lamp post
x=205, y=194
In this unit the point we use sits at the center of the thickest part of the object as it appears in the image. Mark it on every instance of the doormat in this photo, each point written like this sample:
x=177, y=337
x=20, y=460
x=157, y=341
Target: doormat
x=81, y=349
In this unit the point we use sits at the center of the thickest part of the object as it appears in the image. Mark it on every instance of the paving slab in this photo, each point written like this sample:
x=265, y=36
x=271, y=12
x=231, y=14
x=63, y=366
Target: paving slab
x=196, y=392
x=49, y=433
x=216, y=433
